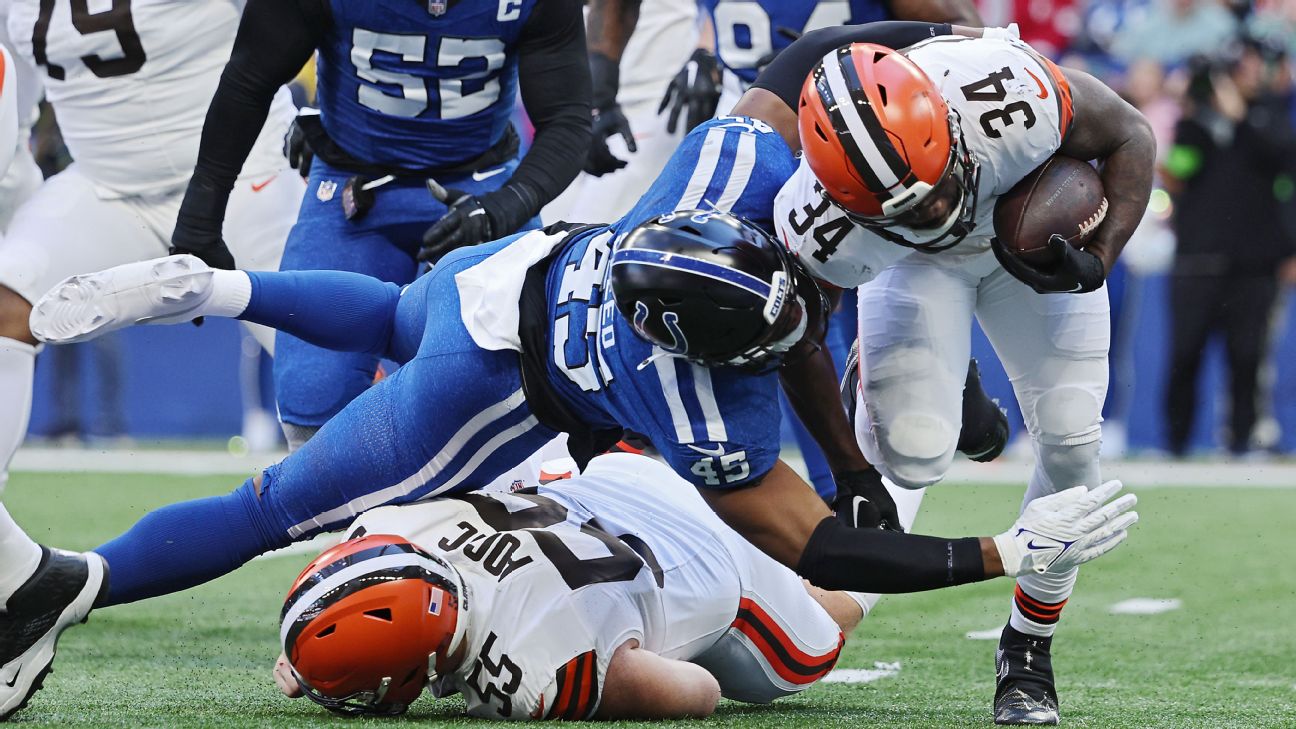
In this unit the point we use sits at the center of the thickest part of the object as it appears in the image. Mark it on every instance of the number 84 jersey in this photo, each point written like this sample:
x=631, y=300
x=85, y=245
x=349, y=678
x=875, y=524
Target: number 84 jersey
x=1015, y=111
x=131, y=81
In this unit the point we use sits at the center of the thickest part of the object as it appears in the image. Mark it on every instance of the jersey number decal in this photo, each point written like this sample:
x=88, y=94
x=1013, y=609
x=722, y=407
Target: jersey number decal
x=117, y=19
x=580, y=285
x=732, y=468
x=457, y=96
x=493, y=688
x=744, y=32
x=621, y=565
x=827, y=235
x=991, y=88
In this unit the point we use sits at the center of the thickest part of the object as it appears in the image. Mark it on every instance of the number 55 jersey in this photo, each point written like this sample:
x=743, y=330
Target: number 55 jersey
x=1014, y=109
x=556, y=579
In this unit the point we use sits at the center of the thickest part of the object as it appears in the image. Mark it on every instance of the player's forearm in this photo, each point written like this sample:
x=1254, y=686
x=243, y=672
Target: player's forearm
x=274, y=41
x=838, y=557
x=811, y=388
x=554, y=78
x=609, y=25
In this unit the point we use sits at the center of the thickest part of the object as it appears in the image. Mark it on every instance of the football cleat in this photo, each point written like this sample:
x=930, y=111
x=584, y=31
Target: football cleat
x=59, y=593
x=1024, y=689
x=159, y=291
x=984, y=433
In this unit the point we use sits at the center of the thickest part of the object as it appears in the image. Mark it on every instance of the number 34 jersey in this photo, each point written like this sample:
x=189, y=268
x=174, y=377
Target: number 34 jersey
x=558, y=578
x=131, y=81
x=1015, y=110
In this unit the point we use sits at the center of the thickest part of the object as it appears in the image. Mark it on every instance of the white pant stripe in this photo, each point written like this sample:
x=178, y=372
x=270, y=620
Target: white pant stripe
x=428, y=472
x=499, y=441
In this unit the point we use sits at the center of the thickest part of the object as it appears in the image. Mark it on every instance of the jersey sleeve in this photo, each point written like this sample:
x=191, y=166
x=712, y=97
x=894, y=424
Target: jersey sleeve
x=735, y=164
x=716, y=427
x=827, y=243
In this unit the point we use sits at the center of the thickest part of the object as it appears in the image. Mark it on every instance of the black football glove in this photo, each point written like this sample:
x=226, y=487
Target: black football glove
x=1076, y=271
x=297, y=149
x=208, y=246
x=474, y=219
x=608, y=119
x=694, y=92
x=863, y=502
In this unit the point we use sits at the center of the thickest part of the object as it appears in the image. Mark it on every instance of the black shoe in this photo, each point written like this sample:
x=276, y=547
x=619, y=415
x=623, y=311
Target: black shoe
x=985, y=425
x=850, y=382
x=60, y=593
x=1024, y=690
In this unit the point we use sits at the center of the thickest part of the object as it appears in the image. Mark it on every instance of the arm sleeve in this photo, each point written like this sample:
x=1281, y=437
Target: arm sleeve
x=839, y=557
x=554, y=77
x=786, y=73
x=275, y=39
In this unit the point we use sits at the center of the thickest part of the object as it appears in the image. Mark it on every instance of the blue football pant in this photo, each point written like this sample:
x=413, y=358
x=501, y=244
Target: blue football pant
x=313, y=383
x=451, y=419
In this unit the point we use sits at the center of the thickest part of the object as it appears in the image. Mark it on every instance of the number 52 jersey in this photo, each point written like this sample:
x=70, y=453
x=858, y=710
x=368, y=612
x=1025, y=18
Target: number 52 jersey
x=556, y=579
x=1015, y=111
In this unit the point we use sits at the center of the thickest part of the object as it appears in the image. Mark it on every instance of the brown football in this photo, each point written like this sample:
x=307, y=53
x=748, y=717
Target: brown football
x=1063, y=196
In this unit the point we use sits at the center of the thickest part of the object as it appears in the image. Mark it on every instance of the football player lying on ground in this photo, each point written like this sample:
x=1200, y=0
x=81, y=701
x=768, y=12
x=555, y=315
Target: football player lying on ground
x=510, y=348
x=614, y=594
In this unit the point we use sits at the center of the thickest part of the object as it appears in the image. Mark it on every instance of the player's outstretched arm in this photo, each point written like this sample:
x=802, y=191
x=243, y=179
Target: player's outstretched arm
x=275, y=39
x=784, y=518
x=644, y=685
x=609, y=25
x=1106, y=128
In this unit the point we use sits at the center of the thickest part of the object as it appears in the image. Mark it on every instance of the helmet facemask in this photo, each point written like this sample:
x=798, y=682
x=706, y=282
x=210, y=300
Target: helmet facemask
x=961, y=177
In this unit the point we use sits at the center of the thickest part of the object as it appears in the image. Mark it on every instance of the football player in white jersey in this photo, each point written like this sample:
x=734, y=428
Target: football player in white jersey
x=130, y=84
x=19, y=175
x=580, y=599
x=905, y=154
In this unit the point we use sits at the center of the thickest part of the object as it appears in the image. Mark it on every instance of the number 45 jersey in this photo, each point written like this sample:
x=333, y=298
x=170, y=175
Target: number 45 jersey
x=556, y=579
x=1014, y=107
x=131, y=81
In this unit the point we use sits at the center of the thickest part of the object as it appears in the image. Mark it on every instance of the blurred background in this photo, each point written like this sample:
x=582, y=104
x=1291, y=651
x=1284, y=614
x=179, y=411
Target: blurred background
x=1204, y=340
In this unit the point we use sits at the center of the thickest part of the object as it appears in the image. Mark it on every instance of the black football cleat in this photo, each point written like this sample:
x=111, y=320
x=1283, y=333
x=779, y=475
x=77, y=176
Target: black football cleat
x=59, y=594
x=985, y=432
x=1024, y=689
x=850, y=382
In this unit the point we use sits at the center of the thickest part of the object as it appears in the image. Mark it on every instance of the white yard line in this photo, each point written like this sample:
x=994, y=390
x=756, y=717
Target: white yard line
x=1145, y=606
x=880, y=670
x=987, y=634
x=1135, y=474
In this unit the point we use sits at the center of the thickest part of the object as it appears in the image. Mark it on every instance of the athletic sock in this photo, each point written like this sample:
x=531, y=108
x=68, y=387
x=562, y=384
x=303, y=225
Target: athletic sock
x=19, y=556
x=186, y=544
x=348, y=312
x=230, y=292
x=1038, y=601
x=17, y=371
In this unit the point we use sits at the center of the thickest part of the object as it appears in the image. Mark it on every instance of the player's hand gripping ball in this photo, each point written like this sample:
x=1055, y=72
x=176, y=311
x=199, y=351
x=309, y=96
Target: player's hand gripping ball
x=1043, y=223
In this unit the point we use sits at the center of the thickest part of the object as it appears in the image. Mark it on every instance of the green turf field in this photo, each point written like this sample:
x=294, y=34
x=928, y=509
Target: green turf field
x=1227, y=658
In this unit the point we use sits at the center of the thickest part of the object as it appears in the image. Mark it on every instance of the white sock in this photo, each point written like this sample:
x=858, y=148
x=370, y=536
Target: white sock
x=230, y=294
x=17, y=368
x=19, y=556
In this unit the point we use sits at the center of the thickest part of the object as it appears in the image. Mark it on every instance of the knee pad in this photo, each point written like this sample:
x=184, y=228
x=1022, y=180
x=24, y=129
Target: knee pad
x=916, y=449
x=1068, y=415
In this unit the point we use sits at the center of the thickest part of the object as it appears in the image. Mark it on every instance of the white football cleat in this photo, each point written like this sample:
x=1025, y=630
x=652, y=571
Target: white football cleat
x=158, y=291
x=59, y=594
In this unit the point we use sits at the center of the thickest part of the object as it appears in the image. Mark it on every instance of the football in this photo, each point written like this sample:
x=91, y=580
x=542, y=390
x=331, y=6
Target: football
x=1063, y=196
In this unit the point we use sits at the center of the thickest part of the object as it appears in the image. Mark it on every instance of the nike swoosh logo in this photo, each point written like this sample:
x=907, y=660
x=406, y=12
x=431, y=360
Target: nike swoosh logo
x=10, y=683
x=479, y=176
x=1043, y=91
x=717, y=451
x=1077, y=289
x=259, y=186
x=1032, y=545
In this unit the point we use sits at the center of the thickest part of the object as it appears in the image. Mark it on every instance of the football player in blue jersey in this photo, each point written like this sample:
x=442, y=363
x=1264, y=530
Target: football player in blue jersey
x=672, y=321
x=413, y=97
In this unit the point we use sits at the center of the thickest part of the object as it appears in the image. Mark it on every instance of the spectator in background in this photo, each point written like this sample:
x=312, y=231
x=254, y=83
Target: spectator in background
x=1232, y=150
x=1174, y=30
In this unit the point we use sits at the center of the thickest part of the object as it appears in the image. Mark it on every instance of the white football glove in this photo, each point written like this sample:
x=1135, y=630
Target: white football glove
x=1061, y=531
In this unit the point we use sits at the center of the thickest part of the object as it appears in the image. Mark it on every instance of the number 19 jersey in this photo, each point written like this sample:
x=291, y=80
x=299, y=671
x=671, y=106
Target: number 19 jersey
x=131, y=80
